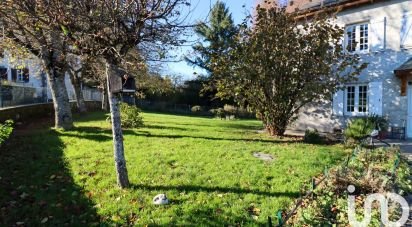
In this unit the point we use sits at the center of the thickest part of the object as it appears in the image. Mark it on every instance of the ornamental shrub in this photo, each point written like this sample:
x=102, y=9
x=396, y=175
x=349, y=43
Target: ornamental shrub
x=130, y=116
x=5, y=130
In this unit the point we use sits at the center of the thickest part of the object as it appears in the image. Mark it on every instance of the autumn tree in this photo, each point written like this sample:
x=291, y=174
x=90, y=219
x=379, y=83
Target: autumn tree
x=280, y=64
x=27, y=26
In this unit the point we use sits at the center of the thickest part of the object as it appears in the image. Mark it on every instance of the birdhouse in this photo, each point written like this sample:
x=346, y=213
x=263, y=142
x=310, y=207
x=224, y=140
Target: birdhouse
x=128, y=84
x=122, y=84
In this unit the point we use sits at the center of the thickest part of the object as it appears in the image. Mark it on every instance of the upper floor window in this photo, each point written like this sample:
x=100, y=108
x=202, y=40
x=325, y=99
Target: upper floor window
x=283, y=3
x=20, y=75
x=357, y=38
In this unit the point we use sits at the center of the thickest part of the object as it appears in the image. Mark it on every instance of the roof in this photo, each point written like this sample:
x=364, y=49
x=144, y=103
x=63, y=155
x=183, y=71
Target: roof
x=406, y=66
x=311, y=7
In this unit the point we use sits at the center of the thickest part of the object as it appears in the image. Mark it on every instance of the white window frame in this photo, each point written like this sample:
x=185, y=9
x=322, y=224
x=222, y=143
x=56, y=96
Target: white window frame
x=20, y=76
x=356, y=111
x=357, y=28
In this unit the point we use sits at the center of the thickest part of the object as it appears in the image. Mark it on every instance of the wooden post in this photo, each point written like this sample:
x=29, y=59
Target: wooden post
x=404, y=85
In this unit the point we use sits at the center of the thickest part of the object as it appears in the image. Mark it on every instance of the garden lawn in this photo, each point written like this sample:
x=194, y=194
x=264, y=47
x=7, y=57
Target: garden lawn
x=205, y=167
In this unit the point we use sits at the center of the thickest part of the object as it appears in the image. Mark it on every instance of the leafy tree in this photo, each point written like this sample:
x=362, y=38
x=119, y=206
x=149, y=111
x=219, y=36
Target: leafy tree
x=217, y=36
x=280, y=64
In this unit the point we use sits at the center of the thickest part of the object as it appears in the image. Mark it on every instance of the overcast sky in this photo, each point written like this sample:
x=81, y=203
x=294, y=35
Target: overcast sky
x=199, y=12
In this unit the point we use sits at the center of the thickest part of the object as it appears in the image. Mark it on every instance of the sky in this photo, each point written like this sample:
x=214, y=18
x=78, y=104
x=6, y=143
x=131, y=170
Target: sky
x=199, y=12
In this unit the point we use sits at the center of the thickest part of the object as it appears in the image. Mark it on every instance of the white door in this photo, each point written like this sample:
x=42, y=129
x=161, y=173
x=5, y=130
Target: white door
x=409, y=118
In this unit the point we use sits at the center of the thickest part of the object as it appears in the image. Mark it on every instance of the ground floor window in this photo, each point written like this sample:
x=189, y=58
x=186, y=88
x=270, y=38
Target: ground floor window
x=356, y=100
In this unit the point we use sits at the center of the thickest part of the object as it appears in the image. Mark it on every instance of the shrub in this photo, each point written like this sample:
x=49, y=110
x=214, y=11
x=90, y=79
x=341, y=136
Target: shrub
x=379, y=122
x=362, y=127
x=229, y=109
x=219, y=112
x=130, y=116
x=358, y=129
x=313, y=137
x=5, y=130
x=196, y=109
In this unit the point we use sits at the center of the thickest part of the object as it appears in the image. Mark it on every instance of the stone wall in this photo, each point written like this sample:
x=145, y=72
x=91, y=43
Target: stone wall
x=18, y=95
x=32, y=112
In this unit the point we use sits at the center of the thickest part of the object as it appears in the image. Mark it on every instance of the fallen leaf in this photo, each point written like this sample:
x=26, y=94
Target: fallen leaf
x=116, y=218
x=24, y=195
x=44, y=220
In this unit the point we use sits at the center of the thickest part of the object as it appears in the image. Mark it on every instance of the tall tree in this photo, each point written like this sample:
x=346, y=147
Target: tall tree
x=217, y=36
x=27, y=25
x=279, y=65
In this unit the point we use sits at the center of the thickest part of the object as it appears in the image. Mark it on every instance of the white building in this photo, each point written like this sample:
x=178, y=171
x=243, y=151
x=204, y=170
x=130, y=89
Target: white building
x=24, y=82
x=381, y=33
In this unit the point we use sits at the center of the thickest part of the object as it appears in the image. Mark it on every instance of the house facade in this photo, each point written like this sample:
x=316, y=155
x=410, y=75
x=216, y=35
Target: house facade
x=381, y=33
x=23, y=81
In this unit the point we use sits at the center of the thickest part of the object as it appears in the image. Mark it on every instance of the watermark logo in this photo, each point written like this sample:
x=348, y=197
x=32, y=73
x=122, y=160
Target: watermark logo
x=383, y=200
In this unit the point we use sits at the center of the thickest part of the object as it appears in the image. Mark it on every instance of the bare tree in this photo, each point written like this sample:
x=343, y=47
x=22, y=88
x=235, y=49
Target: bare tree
x=75, y=71
x=26, y=25
x=111, y=30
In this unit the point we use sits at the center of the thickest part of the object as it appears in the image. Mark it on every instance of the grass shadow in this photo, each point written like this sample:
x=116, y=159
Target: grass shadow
x=196, y=188
x=150, y=135
x=88, y=133
x=101, y=134
x=36, y=185
x=166, y=127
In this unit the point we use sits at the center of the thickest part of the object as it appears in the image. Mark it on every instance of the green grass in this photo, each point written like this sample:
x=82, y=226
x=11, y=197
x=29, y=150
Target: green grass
x=205, y=166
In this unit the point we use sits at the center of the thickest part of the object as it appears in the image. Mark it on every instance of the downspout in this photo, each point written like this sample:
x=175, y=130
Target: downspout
x=1, y=90
x=384, y=33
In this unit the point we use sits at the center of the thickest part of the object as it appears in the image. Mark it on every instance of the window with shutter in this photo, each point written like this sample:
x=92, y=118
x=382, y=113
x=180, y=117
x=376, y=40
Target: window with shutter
x=357, y=38
x=356, y=103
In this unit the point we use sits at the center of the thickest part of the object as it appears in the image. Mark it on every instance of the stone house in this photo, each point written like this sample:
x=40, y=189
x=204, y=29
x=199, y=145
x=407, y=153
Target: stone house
x=22, y=81
x=381, y=33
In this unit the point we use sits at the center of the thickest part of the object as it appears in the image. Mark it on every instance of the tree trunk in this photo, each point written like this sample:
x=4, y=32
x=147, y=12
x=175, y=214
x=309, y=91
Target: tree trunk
x=120, y=161
x=276, y=129
x=105, y=103
x=62, y=110
x=81, y=105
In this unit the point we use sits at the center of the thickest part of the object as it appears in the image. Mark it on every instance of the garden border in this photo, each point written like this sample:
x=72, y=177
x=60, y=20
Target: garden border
x=314, y=184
